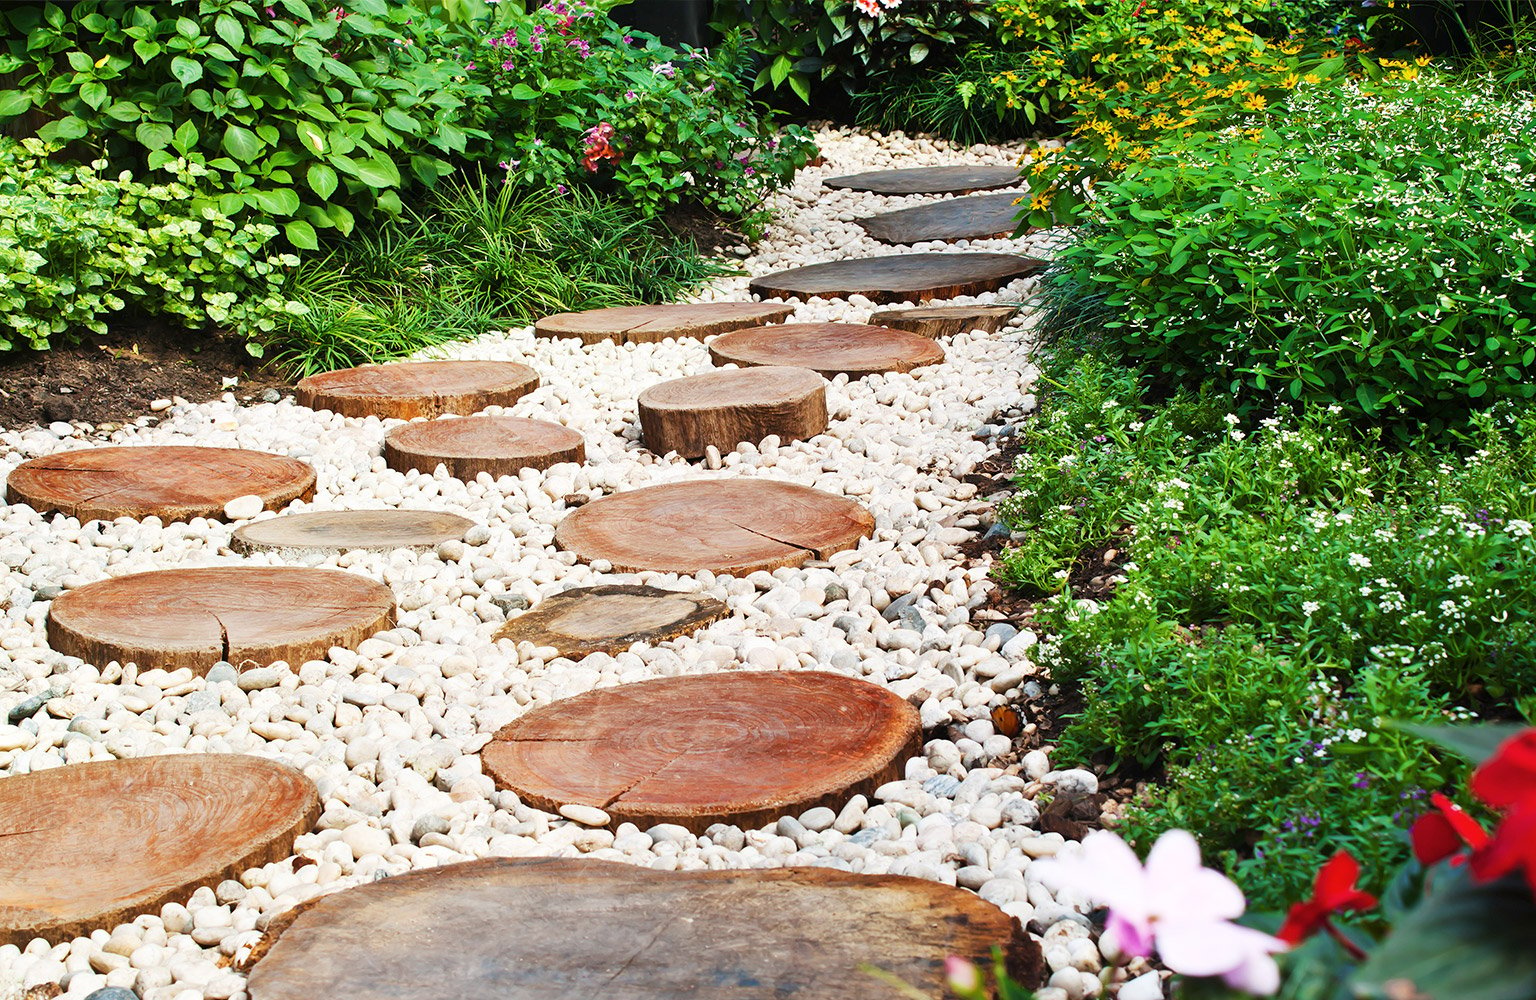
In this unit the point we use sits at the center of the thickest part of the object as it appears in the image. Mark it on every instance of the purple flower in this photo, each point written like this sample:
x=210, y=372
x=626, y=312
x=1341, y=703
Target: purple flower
x=628, y=39
x=561, y=189
x=1362, y=780
x=469, y=66
x=580, y=44
x=630, y=95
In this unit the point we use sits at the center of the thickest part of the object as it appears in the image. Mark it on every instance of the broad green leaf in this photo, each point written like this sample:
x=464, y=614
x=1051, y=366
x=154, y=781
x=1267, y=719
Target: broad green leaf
x=146, y=50
x=322, y=179
x=124, y=111
x=241, y=143
x=230, y=30
x=63, y=130
x=186, y=70
x=1476, y=743
x=378, y=172
x=186, y=137
x=301, y=235
x=94, y=94
x=278, y=201
x=312, y=138
x=523, y=92
x=13, y=103
x=801, y=86
x=918, y=52
x=153, y=135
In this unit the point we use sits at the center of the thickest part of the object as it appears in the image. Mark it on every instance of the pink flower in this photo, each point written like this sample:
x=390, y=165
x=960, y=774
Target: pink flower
x=869, y=7
x=962, y=976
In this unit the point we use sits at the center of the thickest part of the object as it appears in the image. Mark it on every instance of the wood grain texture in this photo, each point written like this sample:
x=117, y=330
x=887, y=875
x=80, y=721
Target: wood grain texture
x=944, y=321
x=743, y=748
x=539, y=928
x=726, y=408
x=500, y=446
x=89, y=846
x=913, y=277
x=829, y=349
x=340, y=530
x=171, y=482
x=929, y=180
x=409, y=389
x=610, y=619
x=651, y=324
x=196, y=617
x=978, y=217
x=722, y=525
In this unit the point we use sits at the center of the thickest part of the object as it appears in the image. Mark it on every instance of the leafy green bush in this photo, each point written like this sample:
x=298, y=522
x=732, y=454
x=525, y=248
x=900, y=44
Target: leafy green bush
x=955, y=102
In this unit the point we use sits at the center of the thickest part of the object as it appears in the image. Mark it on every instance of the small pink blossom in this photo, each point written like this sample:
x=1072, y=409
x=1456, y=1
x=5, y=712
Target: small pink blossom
x=962, y=976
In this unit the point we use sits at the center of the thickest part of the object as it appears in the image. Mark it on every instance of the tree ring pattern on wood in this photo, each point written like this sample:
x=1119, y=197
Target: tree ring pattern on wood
x=341, y=530
x=610, y=619
x=914, y=277
x=468, y=446
x=410, y=389
x=653, y=324
x=829, y=349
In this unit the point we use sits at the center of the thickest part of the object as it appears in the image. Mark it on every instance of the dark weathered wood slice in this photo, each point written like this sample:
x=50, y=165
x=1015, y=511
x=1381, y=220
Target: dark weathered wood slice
x=651, y=324
x=742, y=748
x=944, y=321
x=978, y=217
x=500, y=446
x=196, y=617
x=722, y=525
x=725, y=408
x=339, y=530
x=830, y=349
x=171, y=482
x=89, y=846
x=911, y=277
x=538, y=928
x=409, y=389
x=611, y=619
x=929, y=180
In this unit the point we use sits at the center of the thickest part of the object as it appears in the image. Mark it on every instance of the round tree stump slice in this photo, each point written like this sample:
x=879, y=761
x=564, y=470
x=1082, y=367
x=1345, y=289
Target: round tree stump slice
x=980, y=217
x=944, y=321
x=929, y=180
x=911, y=277
x=722, y=525
x=830, y=349
x=538, y=928
x=742, y=748
x=611, y=619
x=171, y=482
x=409, y=389
x=339, y=530
x=89, y=846
x=652, y=324
x=726, y=408
x=196, y=617
x=501, y=446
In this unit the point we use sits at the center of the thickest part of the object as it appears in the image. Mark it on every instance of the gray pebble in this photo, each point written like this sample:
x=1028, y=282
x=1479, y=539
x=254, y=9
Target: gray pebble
x=836, y=592
x=942, y=785
x=911, y=618
x=203, y=701
x=509, y=603
x=866, y=836
x=789, y=827
x=271, y=396
x=818, y=819
x=113, y=993
x=47, y=592
x=663, y=832
x=1032, y=690
x=895, y=608
x=729, y=837
x=430, y=823
x=1003, y=631
x=222, y=673
x=847, y=624
x=28, y=708
x=996, y=533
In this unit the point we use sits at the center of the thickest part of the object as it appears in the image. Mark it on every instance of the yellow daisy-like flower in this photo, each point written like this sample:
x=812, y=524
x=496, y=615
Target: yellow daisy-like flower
x=1122, y=86
x=1289, y=81
x=1313, y=78
x=1423, y=61
x=1255, y=102
x=1040, y=202
x=1124, y=113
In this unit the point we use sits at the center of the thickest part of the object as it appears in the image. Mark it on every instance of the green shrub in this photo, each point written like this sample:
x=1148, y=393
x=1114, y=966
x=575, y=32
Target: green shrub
x=955, y=102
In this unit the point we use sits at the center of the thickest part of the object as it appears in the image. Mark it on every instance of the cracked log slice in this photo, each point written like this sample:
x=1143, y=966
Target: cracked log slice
x=651, y=324
x=909, y=277
x=742, y=748
x=196, y=617
x=616, y=931
x=171, y=482
x=929, y=180
x=610, y=619
x=340, y=530
x=943, y=321
x=500, y=446
x=726, y=408
x=89, y=846
x=722, y=525
x=409, y=389
x=979, y=217
x=830, y=349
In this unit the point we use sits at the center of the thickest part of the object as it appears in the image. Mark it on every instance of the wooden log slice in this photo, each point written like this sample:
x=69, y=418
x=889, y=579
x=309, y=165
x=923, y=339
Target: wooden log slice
x=89, y=846
x=652, y=324
x=339, y=530
x=943, y=321
x=501, y=446
x=979, y=217
x=742, y=748
x=929, y=180
x=611, y=619
x=538, y=928
x=726, y=408
x=196, y=617
x=830, y=349
x=722, y=525
x=912, y=277
x=171, y=482
x=409, y=389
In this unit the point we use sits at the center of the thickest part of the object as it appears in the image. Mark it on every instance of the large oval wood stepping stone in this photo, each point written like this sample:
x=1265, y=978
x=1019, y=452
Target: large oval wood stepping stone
x=929, y=180
x=340, y=530
x=539, y=928
x=910, y=277
x=722, y=525
x=196, y=617
x=723, y=409
x=171, y=482
x=89, y=846
x=830, y=349
x=500, y=446
x=742, y=748
x=611, y=619
x=408, y=389
x=979, y=217
x=944, y=321
x=652, y=324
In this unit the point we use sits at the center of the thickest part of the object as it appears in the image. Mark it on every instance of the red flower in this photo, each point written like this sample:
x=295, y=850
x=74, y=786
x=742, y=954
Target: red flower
x=1513, y=847
x=1333, y=892
x=1439, y=835
x=1508, y=778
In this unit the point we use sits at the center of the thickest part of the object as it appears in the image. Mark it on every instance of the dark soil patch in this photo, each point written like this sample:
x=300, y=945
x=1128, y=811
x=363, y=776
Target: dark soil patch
x=710, y=231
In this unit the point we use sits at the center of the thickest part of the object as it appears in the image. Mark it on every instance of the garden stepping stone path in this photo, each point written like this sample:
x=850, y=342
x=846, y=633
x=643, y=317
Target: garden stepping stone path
x=499, y=446
x=830, y=349
x=929, y=180
x=535, y=928
x=196, y=617
x=944, y=321
x=410, y=389
x=723, y=525
x=979, y=217
x=171, y=482
x=725, y=408
x=340, y=530
x=740, y=748
x=92, y=845
x=912, y=277
x=610, y=619
x=652, y=324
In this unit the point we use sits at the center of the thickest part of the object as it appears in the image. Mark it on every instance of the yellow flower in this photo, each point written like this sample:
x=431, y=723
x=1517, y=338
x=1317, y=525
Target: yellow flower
x=1124, y=113
x=1255, y=102
x=1313, y=78
x=1289, y=81
x=102, y=61
x=1040, y=202
x=1122, y=86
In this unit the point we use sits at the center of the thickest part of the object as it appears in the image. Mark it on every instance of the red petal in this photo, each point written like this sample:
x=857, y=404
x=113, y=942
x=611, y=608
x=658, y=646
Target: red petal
x=1508, y=778
x=1512, y=847
x=1434, y=839
x=1303, y=921
x=1465, y=827
x=1336, y=880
